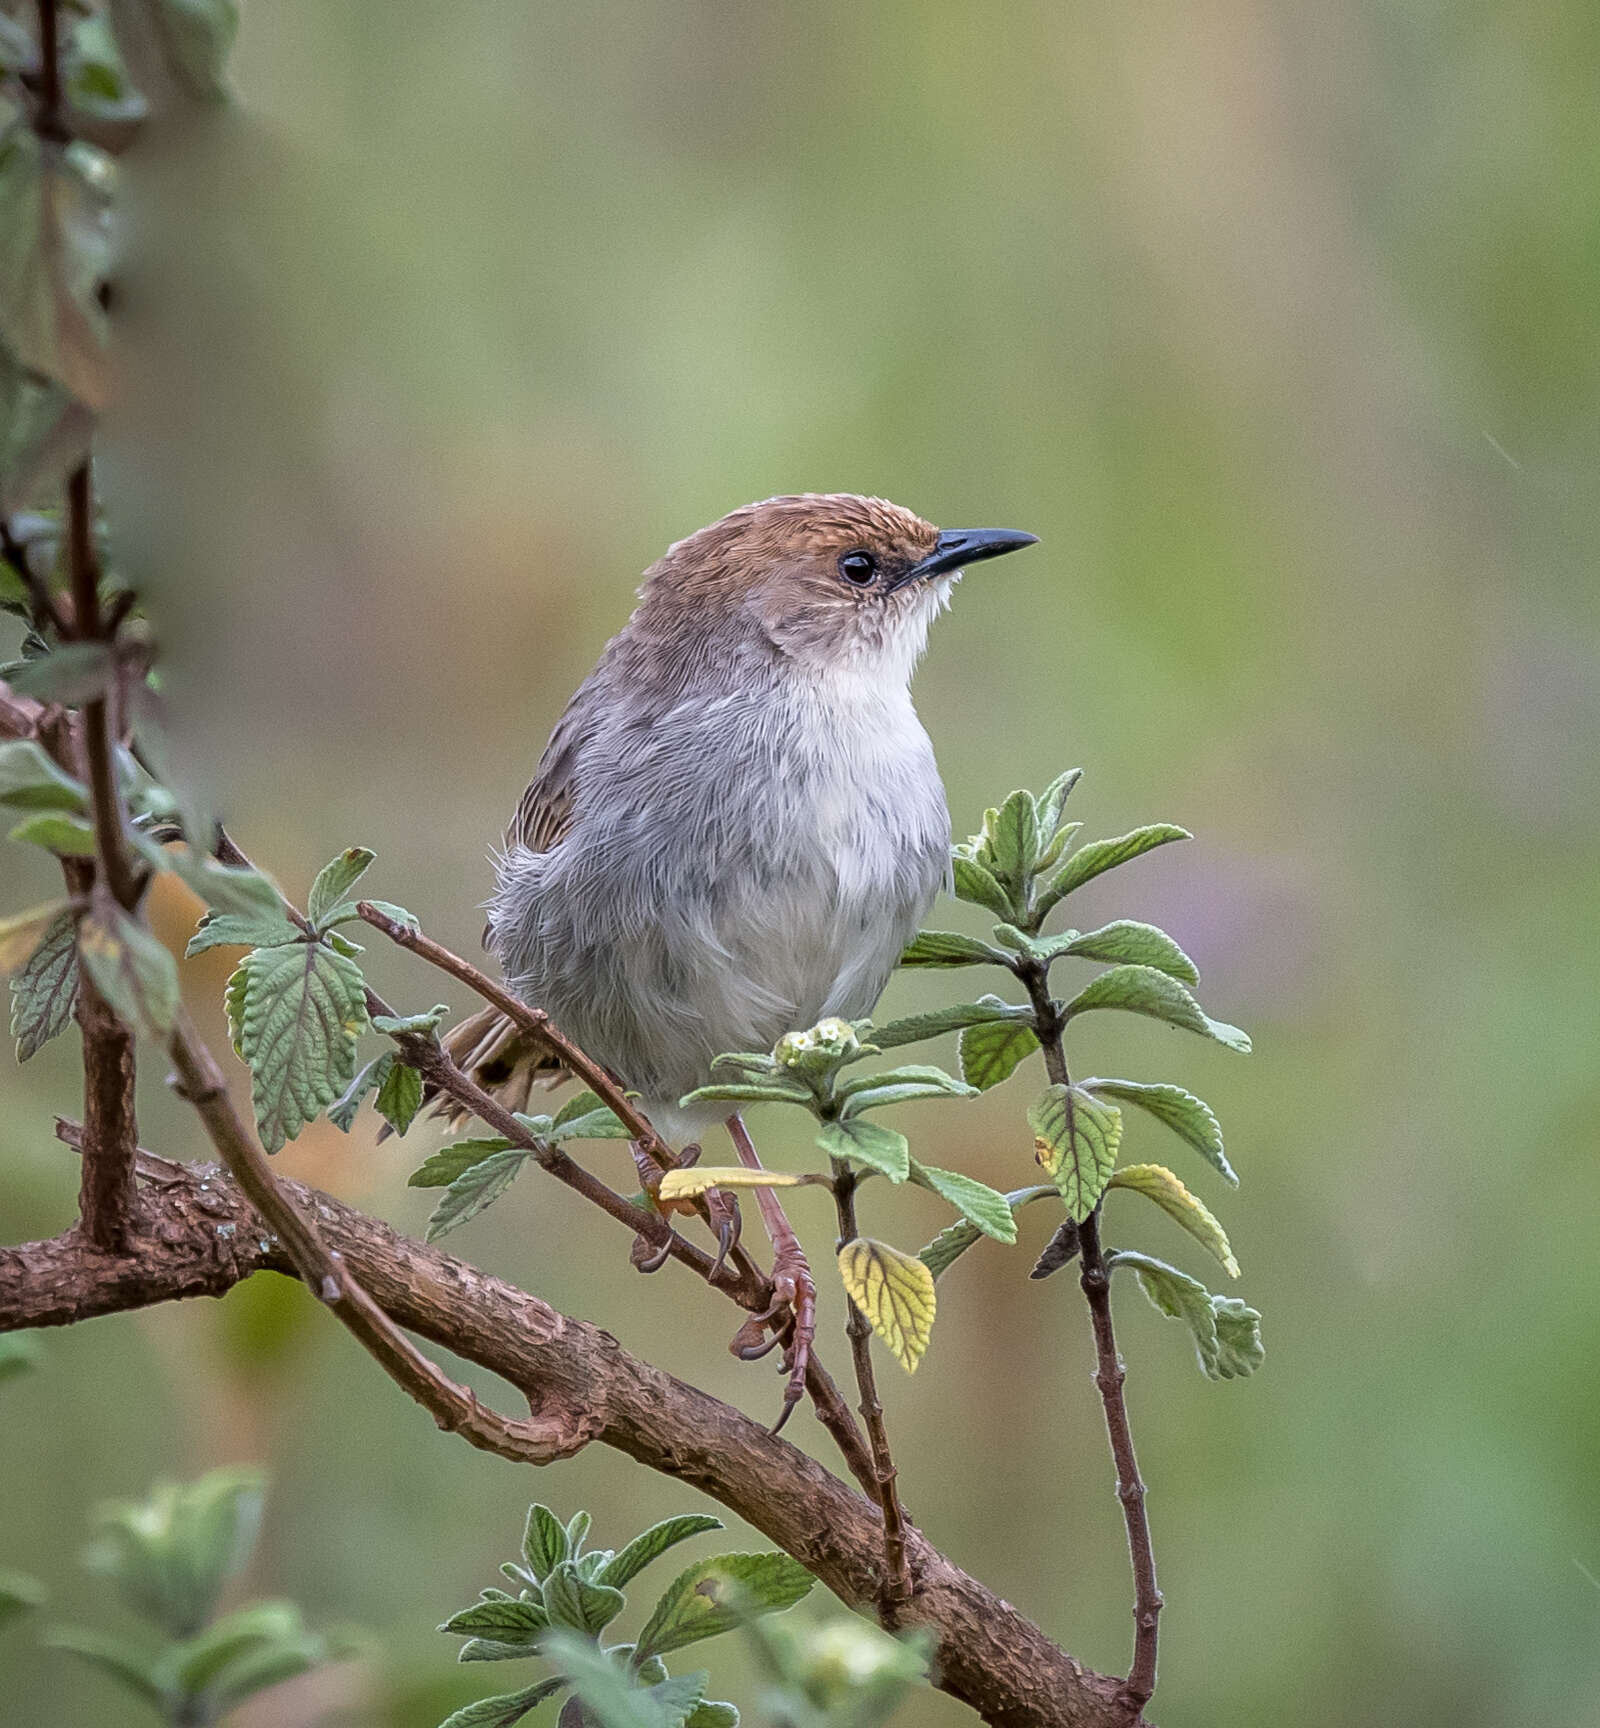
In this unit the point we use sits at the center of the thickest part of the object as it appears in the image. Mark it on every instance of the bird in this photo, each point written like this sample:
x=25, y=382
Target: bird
x=738, y=822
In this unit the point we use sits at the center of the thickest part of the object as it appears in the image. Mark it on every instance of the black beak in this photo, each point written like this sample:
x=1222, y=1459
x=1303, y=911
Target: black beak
x=958, y=546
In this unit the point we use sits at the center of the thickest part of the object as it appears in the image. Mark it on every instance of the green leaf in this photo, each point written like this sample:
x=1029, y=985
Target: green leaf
x=195, y=39
x=882, y=1149
x=976, y=1201
x=945, y=948
x=1075, y=1139
x=651, y=1544
x=239, y=1645
x=1056, y=850
x=124, y=1662
x=1143, y=990
x=508, y=1620
x=1227, y=1333
x=421, y=1024
x=64, y=835
x=241, y=930
x=544, y=1542
x=1102, y=855
x=915, y=1027
x=497, y=1650
x=300, y=1010
x=245, y=893
x=335, y=879
x=603, y=1696
x=571, y=1600
x=991, y=1050
x=267, y=1665
x=1157, y=1183
x=578, y=1526
x=477, y=1187
x=1014, y=839
x=1128, y=942
x=1182, y=1112
x=895, y=1292
x=900, y=1086
x=19, y=1595
x=29, y=949
x=346, y=1107
x=30, y=780
x=715, y=1595
x=400, y=1096
x=1050, y=802
x=972, y=882
x=586, y=1118
x=442, y=1168
x=72, y=673
x=131, y=968
x=508, y=1708
x=955, y=1239
x=711, y=1713
x=775, y=1091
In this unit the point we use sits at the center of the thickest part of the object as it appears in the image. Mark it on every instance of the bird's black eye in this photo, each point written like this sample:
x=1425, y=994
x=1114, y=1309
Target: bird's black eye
x=858, y=568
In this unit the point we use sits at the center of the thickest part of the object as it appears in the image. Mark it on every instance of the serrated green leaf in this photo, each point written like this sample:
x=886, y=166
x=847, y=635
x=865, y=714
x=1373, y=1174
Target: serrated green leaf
x=64, y=835
x=571, y=1600
x=895, y=1292
x=400, y=1096
x=544, y=1541
x=991, y=1051
x=976, y=1201
x=30, y=780
x=975, y=884
x=1227, y=1333
x=131, y=968
x=335, y=880
x=599, y=1123
x=241, y=930
x=715, y=1595
x=301, y=1009
x=867, y=1143
x=1187, y=1116
x=477, y=1187
x=441, y=1168
x=343, y=1111
x=954, y=1240
x=510, y=1620
x=1158, y=1183
x=1014, y=839
x=900, y=1086
x=915, y=1027
x=1050, y=802
x=507, y=1708
x=1075, y=1139
x=651, y=1544
x=1129, y=942
x=496, y=1650
x=22, y=932
x=422, y=1024
x=1102, y=855
x=944, y=948
x=1143, y=990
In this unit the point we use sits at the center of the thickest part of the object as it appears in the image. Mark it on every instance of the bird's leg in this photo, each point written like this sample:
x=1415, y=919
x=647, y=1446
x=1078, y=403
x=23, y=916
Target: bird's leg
x=721, y=1213
x=720, y=1210
x=792, y=1283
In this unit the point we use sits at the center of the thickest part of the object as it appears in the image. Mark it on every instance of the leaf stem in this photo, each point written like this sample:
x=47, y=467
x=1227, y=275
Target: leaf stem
x=1110, y=1375
x=897, y=1573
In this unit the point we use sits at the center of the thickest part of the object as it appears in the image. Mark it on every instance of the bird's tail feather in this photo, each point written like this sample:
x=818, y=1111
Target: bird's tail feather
x=505, y=1062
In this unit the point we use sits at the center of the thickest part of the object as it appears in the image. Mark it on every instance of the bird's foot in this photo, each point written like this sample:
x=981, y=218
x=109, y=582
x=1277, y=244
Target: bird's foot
x=794, y=1288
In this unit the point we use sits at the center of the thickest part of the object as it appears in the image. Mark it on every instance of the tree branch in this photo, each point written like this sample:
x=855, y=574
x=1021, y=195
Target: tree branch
x=581, y=1382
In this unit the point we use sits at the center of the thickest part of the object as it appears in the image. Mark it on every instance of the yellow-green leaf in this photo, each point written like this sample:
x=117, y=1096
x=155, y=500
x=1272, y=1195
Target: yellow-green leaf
x=131, y=968
x=1075, y=1139
x=1158, y=1183
x=895, y=1292
x=685, y=1184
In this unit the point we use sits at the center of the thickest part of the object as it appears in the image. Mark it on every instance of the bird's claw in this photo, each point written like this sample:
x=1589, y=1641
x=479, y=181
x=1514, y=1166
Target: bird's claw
x=794, y=1286
x=648, y=1258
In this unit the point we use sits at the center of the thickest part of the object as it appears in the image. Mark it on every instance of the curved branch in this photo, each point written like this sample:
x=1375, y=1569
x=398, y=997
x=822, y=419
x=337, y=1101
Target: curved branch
x=206, y=1238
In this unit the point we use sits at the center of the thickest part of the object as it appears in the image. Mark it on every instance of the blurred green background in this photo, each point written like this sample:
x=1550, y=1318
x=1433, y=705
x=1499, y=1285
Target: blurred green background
x=1278, y=325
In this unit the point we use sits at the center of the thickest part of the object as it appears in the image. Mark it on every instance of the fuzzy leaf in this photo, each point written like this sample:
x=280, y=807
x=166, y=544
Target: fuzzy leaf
x=885, y=1150
x=44, y=990
x=915, y=1027
x=544, y=1542
x=1102, y=855
x=422, y=1024
x=224, y=888
x=972, y=882
x=477, y=1187
x=66, y=836
x=900, y=1086
x=651, y=1544
x=1075, y=1139
x=1182, y=1112
x=685, y=1184
x=946, y=948
x=1143, y=990
x=717, y=1594
x=1128, y=942
x=1157, y=1183
x=1061, y=1250
x=976, y=1201
x=30, y=780
x=300, y=1010
x=895, y=1291
x=72, y=673
x=1049, y=803
x=346, y=1107
x=777, y=1090
x=241, y=930
x=1227, y=1332
x=991, y=1051
x=571, y=1600
x=506, y=1709
x=335, y=879
x=131, y=968
x=712, y=1713
x=1013, y=839
x=441, y=1168
x=596, y=1122
x=400, y=1096
x=955, y=1239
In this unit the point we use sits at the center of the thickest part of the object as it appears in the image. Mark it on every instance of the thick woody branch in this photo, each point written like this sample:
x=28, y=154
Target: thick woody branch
x=206, y=1237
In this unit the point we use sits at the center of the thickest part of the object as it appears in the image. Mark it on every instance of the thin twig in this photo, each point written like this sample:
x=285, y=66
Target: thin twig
x=1109, y=1377
x=896, y=1571
x=47, y=121
x=42, y=603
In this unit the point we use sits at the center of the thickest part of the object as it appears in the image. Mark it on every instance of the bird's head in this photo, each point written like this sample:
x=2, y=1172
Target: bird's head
x=830, y=579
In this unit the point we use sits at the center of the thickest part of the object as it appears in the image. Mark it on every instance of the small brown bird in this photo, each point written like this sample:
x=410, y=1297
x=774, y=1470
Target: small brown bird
x=737, y=824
